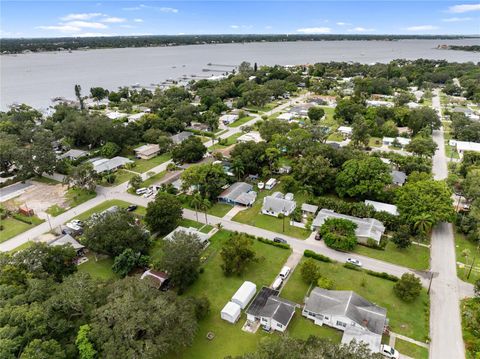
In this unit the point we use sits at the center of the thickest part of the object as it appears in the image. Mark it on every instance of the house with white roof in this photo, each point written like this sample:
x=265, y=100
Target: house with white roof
x=73, y=154
x=402, y=141
x=101, y=165
x=382, y=207
x=147, y=151
x=462, y=146
x=345, y=130
x=115, y=115
x=287, y=116
x=68, y=240
x=201, y=237
x=135, y=117
x=379, y=103
x=277, y=204
x=253, y=136
x=228, y=119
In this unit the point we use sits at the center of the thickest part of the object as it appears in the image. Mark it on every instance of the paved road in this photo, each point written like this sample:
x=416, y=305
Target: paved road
x=445, y=322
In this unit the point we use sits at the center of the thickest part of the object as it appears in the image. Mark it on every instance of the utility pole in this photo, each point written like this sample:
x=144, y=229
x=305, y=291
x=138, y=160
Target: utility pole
x=430, y=283
x=473, y=261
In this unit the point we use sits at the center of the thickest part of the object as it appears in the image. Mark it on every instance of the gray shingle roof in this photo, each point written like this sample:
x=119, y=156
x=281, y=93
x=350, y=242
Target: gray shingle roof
x=73, y=154
x=239, y=192
x=279, y=309
x=398, y=177
x=349, y=304
x=67, y=239
x=180, y=137
x=278, y=205
x=309, y=208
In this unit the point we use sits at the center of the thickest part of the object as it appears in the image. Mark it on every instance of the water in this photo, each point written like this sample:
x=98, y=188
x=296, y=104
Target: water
x=36, y=78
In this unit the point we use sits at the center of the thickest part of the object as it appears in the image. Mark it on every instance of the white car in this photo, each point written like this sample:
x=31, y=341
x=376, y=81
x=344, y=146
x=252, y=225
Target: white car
x=260, y=185
x=389, y=352
x=148, y=193
x=354, y=261
x=73, y=226
x=141, y=191
x=77, y=222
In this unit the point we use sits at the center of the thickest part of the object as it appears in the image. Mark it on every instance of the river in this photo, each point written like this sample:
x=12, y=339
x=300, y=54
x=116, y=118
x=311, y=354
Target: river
x=36, y=78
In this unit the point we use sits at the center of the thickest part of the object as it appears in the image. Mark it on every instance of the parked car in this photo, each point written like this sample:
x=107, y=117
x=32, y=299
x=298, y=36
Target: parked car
x=77, y=222
x=354, y=261
x=285, y=272
x=148, y=193
x=73, y=226
x=141, y=191
x=279, y=240
x=277, y=284
x=132, y=208
x=389, y=352
x=318, y=237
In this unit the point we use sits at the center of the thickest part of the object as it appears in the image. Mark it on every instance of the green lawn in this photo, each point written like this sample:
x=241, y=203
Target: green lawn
x=205, y=228
x=336, y=136
x=101, y=207
x=410, y=349
x=142, y=166
x=217, y=209
x=230, y=141
x=121, y=176
x=13, y=227
x=229, y=338
x=75, y=196
x=462, y=244
x=101, y=268
x=375, y=142
x=253, y=217
x=55, y=210
x=241, y=121
x=154, y=179
x=45, y=180
x=21, y=247
x=415, y=257
x=409, y=319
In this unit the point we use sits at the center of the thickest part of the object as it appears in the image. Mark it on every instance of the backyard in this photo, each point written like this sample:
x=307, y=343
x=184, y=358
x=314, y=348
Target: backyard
x=100, y=268
x=229, y=141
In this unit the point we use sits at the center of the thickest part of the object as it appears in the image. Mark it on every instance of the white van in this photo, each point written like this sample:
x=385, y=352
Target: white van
x=270, y=183
x=141, y=191
x=277, y=284
x=284, y=272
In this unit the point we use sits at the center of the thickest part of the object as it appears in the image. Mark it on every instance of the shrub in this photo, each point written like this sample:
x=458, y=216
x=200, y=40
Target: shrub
x=325, y=283
x=383, y=275
x=408, y=287
x=272, y=243
x=339, y=234
x=352, y=266
x=319, y=257
x=21, y=218
x=310, y=271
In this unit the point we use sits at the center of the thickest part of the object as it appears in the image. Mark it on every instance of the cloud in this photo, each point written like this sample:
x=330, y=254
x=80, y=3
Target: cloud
x=457, y=19
x=268, y=27
x=315, y=30
x=168, y=10
x=235, y=26
x=421, y=28
x=244, y=27
x=126, y=26
x=340, y=23
x=93, y=34
x=360, y=29
x=137, y=20
x=81, y=16
x=113, y=19
x=86, y=24
x=458, y=9
x=61, y=28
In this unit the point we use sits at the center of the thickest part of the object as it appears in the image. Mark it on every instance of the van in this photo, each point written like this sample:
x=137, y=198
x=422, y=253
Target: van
x=277, y=284
x=141, y=191
x=285, y=272
x=270, y=183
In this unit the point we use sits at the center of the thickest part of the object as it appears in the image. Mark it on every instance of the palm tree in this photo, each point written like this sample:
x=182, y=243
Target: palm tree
x=238, y=169
x=423, y=223
x=78, y=94
x=205, y=205
x=196, y=202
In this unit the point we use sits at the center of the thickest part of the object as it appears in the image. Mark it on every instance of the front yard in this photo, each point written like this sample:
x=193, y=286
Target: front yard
x=74, y=197
x=229, y=141
x=103, y=206
x=142, y=166
x=11, y=226
x=241, y=121
x=465, y=251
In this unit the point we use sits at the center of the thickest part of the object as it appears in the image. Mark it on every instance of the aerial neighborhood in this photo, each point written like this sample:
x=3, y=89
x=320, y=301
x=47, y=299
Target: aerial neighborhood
x=332, y=207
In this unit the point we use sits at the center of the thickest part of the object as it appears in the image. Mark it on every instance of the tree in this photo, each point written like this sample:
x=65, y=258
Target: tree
x=415, y=199
x=408, y=287
x=109, y=150
x=423, y=223
x=43, y=349
x=205, y=206
x=135, y=182
x=111, y=233
x=360, y=131
x=128, y=260
x=78, y=95
x=8, y=150
x=245, y=68
x=423, y=117
x=39, y=158
x=365, y=178
x=181, y=259
x=310, y=271
x=165, y=143
x=98, y=93
x=471, y=185
x=196, y=202
x=189, y=151
x=83, y=177
x=346, y=110
x=315, y=113
x=477, y=288
x=84, y=345
x=125, y=327
x=238, y=168
x=208, y=179
x=401, y=237
x=164, y=214
x=422, y=146
x=339, y=234
x=237, y=253
x=315, y=171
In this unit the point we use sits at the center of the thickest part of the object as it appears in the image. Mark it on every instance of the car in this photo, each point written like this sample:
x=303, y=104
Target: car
x=73, y=226
x=141, y=191
x=354, y=261
x=77, y=222
x=318, y=237
x=148, y=193
x=389, y=352
x=284, y=272
x=279, y=240
x=260, y=185
x=132, y=208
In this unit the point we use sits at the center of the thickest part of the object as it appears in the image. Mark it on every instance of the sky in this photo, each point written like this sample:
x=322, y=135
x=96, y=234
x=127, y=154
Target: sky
x=109, y=18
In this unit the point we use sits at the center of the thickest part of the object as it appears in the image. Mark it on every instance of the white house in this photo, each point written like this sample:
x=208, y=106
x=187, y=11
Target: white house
x=345, y=130
x=228, y=119
x=378, y=103
x=135, y=117
x=101, y=165
x=147, y=151
x=388, y=141
x=382, y=207
x=250, y=136
x=202, y=237
x=231, y=312
x=347, y=311
x=287, y=116
x=244, y=294
x=115, y=115
x=277, y=204
x=462, y=146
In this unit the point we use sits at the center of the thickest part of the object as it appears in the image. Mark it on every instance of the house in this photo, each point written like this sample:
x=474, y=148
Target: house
x=239, y=193
x=157, y=279
x=244, y=294
x=412, y=105
x=115, y=115
x=270, y=310
x=344, y=310
x=147, y=151
x=345, y=130
x=467, y=112
x=231, y=312
x=101, y=165
x=462, y=146
x=135, y=117
x=250, y=136
x=398, y=177
x=277, y=204
x=284, y=170
x=382, y=207
x=287, y=116
x=301, y=110
x=180, y=137
x=309, y=210
x=201, y=237
x=388, y=141
x=68, y=240
x=228, y=119
x=366, y=227
x=73, y=155
x=378, y=103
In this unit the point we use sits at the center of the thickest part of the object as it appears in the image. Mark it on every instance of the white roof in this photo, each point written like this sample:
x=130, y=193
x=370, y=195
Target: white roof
x=413, y=105
x=230, y=312
x=402, y=140
x=372, y=340
x=379, y=103
x=136, y=116
x=203, y=237
x=466, y=146
x=103, y=164
x=286, y=116
x=345, y=129
x=244, y=294
x=147, y=149
x=114, y=115
x=228, y=118
x=383, y=207
x=250, y=136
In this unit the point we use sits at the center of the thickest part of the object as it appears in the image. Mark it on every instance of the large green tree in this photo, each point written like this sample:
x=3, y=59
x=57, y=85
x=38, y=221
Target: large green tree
x=164, y=214
x=237, y=253
x=315, y=171
x=189, y=151
x=339, y=234
x=206, y=178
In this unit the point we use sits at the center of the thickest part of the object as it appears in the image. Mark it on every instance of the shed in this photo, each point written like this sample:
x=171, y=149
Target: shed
x=230, y=312
x=244, y=294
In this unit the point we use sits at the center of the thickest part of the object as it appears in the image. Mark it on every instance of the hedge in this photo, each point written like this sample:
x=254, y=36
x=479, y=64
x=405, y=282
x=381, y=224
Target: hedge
x=272, y=243
x=319, y=257
x=202, y=133
x=352, y=266
x=383, y=275
x=21, y=218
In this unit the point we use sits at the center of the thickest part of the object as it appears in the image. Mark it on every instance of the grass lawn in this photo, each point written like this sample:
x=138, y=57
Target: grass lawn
x=154, y=179
x=409, y=319
x=45, y=180
x=21, y=247
x=229, y=338
x=230, y=141
x=103, y=206
x=13, y=227
x=415, y=257
x=410, y=349
x=336, y=136
x=462, y=244
x=241, y=121
x=217, y=209
x=75, y=196
x=253, y=217
x=55, y=210
x=205, y=228
x=142, y=166
x=100, y=269
x=121, y=176
x=375, y=142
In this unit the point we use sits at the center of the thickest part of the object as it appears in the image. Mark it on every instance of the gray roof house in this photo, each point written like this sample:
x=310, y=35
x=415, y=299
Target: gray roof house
x=101, y=165
x=272, y=311
x=398, y=177
x=276, y=204
x=366, y=227
x=180, y=137
x=73, y=154
x=239, y=193
x=358, y=318
x=202, y=237
x=68, y=239
x=382, y=207
x=309, y=209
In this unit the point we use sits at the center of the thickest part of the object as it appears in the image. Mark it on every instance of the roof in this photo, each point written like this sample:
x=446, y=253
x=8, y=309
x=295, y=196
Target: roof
x=136, y=116
x=309, y=208
x=103, y=164
x=202, y=237
x=148, y=149
x=66, y=239
x=373, y=340
x=73, y=153
x=366, y=227
x=279, y=309
x=156, y=276
x=246, y=291
x=398, y=177
x=402, y=140
x=278, y=205
x=345, y=129
x=232, y=309
x=286, y=116
x=260, y=300
x=182, y=136
x=228, y=118
x=250, y=136
x=383, y=207
x=240, y=192
x=349, y=304
x=114, y=115
x=467, y=146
